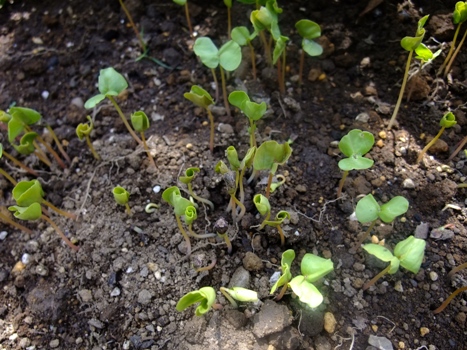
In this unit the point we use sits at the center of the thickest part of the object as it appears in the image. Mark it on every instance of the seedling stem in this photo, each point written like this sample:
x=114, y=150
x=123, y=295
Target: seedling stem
x=60, y=233
x=376, y=278
x=20, y=164
x=20, y=227
x=127, y=125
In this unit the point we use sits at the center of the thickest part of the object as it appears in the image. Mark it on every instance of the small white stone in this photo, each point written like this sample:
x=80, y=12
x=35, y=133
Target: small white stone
x=158, y=275
x=398, y=287
x=115, y=292
x=433, y=276
x=156, y=189
x=45, y=94
x=26, y=258
x=3, y=235
x=408, y=183
x=363, y=117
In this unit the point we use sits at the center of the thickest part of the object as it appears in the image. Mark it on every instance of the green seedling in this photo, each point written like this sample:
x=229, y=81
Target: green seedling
x=242, y=36
x=221, y=227
x=408, y=253
x=19, y=121
x=312, y=269
x=186, y=209
x=29, y=197
x=122, y=197
x=187, y=179
x=187, y=14
x=354, y=146
x=368, y=210
x=410, y=44
x=309, y=31
x=252, y=110
x=459, y=16
x=239, y=294
x=279, y=58
x=447, y=121
x=279, y=183
x=264, y=208
x=203, y=99
x=83, y=131
x=140, y=122
x=457, y=291
x=204, y=296
x=269, y=156
x=240, y=167
x=228, y=58
x=110, y=84
x=231, y=179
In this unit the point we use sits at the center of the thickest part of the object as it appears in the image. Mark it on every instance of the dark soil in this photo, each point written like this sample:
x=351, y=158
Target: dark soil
x=120, y=289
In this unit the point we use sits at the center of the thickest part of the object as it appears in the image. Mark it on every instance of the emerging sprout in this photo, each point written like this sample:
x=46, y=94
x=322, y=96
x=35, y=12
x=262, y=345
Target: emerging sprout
x=239, y=294
x=83, y=131
x=190, y=174
x=447, y=121
x=264, y=208
x=221, y=227
x=140, y=122
x=408, y=253
x=204, y=296
x=354, y=146
x=122, y=197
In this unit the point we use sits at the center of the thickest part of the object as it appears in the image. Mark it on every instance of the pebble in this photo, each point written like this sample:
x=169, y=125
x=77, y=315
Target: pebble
x=252, y=262
x=45, y=94
x=144, y=297
x=433, y=276
x=225, y=128
x=408, y=183
x=363, y=117
x=358, y=266
x=85, y=295
x=329, y=322
x=54, y=343
x=78, y=102
x=421, y=231
x=96, y=323
x=19, y=266
x=398, y=286
x=380, y=343
x=115, y=292
x=156, y=189
x=41, y=270
x=26, y=258
x=240, y=278
x=3, y=235
x=380, y=143
x=24, y=342
x=301, y=188
x=383, y=135
x=424, y=331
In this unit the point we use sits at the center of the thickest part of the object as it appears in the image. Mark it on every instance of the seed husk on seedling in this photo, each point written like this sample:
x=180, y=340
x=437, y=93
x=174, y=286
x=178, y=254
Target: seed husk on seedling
x=242, y=36
x=110, y=84
x=368, y=210
x=204, y=296
x=239, y=294
x=228, y=58
x=187, y=179
x=122, y=197
x=269, y=155
x=83, y=131
x=453, y=294
x=29, y=197
x=203, y=99
x=187, y=14
x=354, y=146
x=221, y=227
x=231, y=179
x=309, y=31
x=459, y=16
x=140, y=122
x=252, y=110
x=408, y=253
x=447, y=121
x=410, y=44
x=264, y=208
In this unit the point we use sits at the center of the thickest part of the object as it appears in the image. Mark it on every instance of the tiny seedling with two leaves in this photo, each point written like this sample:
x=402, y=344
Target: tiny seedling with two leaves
x=309, y=31
x=83, y=131
x=264, y=208
x=122, y=197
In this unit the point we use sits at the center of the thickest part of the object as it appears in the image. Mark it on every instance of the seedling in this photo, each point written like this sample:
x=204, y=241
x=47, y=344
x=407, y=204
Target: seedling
x=16, y=161
x=83, y=131
x=408, y=253
x=354, y=146
x=221, y=227
x=228, y=58
x=279, y=58
x=457, y=291
x=459, y=16
x=252, y=110
x=312, y=269
x=309, y=31
x=239, y=294
x=140, y=122
x=228, y=3
x=242, y=36
x=368, y=210
x=269, y=156
x=29, y=197
x=240, y=167
x=111, y=84
x=231, y=181
x=122, y=197
x=190, y=174
x=187, y=14
x=410, y=44
x=203, y=99
x=204, y=296
x=264, y=208
x=447, y=121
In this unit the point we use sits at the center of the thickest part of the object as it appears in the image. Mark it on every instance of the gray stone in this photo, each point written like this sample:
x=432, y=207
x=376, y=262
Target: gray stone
x=85, y=295
x=322, y=343
x=380, y=343
x=240, y=278
x=271, y=319
x=144, y=297
x=421, y=231
x=289, y=339
x=408, y=183
x=96, y=323
x=236, y=318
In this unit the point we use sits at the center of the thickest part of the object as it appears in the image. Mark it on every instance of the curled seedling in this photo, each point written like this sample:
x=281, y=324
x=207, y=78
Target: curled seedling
x=264, y=208
x=354, y=146
x=83, y=131
x=447, y=121
x=122, y=197
x=368, y=210
x=286, y=276
x=204, y=296
x=408, y=253
x=187, y=179
x=111, y=84
x=221, y=227
x=309, y=31
x=239, y=294
x=140, y=122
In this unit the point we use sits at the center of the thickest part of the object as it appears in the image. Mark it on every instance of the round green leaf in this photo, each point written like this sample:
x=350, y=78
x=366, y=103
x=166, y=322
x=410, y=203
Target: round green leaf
x=207, y=51
x=84, y=129
x=423, y=53
x=367, y=209
x=15, y=127
x=190, y=214
x=448, y=120
x=242, y=294
x=262, y=204
x=410, y=252
x=460, y=13
x=121, y=195
x=27, y=192
x=395, y=207
x=111, y=82
x=26, y=145
x=410, y=43
x=308, y=29
x=241, y=35
x=254, y=111
x=383, y=254
x=27, y=116
x=286, y=261
x=311, y=47
x=314, y=267
x=190, y=174
x=356, y=142
x=230, y=55
x=199, y=96
x=270, y=155
x=355, y=162
x=140, y=121
x=306, y=292
x=205, y=296
x=180, y=2
x=94, y=101
x=279, y=48
x=31, y=212
x=238, y=98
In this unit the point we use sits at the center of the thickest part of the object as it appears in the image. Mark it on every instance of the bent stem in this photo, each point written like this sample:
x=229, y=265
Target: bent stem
x=137, y=33
x=451, y=50
x=228, y=297
x=234, y=210
x=401, y=93
x=211, y=131
x=59, y=211
x=451, y=157
x=376, y=278
x=198, y=198
x=184, y=234
x=431, y=143
x=8, y=177
x=367, y=232
x=20, y=227
x=20, y=164
x=188, y=21
x=59, y=145
x=192, y=233
x=41, y=155
x=341, y=183
x=50, y=149
x=457, y=269
x=148, y=152
x=449, y=299
x=91, y=148
x=207, y=268
x=127, y=125
x=448, y=67
x=282, y=292
x=60, y=233
x=216, y=83
x=224, y=91
x=281, y=233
